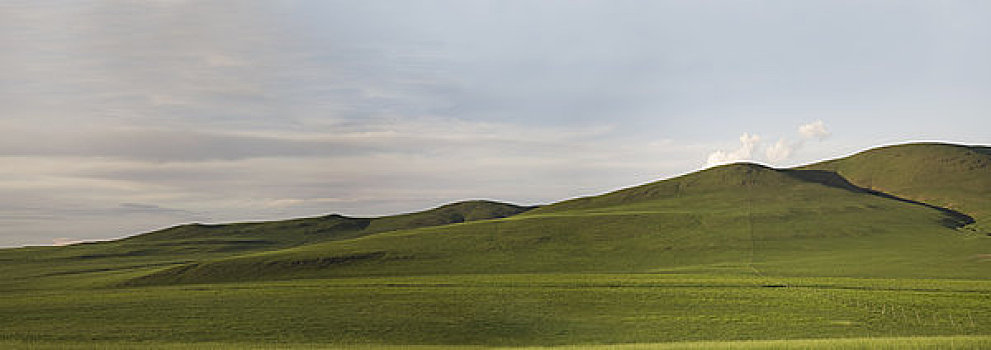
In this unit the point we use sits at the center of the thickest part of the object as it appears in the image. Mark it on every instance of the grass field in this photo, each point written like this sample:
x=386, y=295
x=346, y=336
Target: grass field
x=504, y=310
x=734, y=257
x=910, y=343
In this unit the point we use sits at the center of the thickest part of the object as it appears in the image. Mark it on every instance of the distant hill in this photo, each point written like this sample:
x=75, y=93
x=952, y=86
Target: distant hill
x=195, y=242
x=913, y=210
x=740, y=217
x=329, y=227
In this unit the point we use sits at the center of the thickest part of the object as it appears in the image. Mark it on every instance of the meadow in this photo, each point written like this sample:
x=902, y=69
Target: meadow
x=505, y=310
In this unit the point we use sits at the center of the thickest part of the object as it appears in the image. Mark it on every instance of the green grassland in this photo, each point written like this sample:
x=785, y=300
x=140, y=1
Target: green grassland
x=900, y=343
x=887, y=248
x=504, y=310
x=87, y=264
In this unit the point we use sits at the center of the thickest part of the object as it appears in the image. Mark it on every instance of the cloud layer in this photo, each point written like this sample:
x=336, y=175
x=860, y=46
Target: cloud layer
x=129, y=116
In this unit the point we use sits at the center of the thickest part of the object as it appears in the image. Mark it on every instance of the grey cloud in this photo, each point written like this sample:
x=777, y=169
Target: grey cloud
x=66, y=222
x=167, y=145
x=26, y=217
x=425, y=136
x=65, y=213
x=139, y=208
x=136, y=63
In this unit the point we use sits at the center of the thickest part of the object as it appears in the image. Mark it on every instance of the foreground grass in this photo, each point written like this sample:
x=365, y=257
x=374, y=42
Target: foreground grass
x=501, y=310
x=957, y=342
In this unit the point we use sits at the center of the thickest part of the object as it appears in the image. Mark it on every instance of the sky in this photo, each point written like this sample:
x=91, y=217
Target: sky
x=121, y=117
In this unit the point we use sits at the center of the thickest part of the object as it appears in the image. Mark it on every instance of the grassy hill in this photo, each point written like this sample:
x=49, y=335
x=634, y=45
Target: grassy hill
x=740, y=216
x=193, y=242
x=329, y=227
x=952, y=176
x=879, y=244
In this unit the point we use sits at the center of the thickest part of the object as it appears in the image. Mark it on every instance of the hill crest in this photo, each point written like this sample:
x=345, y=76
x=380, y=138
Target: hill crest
x=329, y=227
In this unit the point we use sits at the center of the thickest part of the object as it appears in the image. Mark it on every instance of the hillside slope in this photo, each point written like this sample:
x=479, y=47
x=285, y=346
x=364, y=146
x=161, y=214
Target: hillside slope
x=952, y=176
x=194, y=242
x=741, y=217
x=329, y=227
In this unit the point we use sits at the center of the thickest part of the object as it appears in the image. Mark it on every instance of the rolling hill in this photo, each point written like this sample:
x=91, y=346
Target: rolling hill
x=739, y=216
x=192, y=242
x=329, y=227
x=909, y=209
x=890, y=242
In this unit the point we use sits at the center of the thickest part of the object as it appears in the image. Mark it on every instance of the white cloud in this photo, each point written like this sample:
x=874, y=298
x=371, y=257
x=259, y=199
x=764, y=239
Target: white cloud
x=780, y=150
x=747, y=145
x=784, y=149
x=816, y=129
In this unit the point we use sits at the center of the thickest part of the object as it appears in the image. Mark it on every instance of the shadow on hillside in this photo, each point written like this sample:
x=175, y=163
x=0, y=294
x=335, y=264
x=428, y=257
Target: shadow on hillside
x=955, y=219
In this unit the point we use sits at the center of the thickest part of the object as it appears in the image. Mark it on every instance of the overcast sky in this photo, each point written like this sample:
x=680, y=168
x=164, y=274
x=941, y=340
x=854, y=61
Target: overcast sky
x=120, y=117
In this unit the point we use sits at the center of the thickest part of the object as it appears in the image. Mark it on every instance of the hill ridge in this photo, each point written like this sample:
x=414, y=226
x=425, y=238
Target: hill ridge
x=616, y=231
x=820, y=216
x=336, y=223
x=951, y=176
